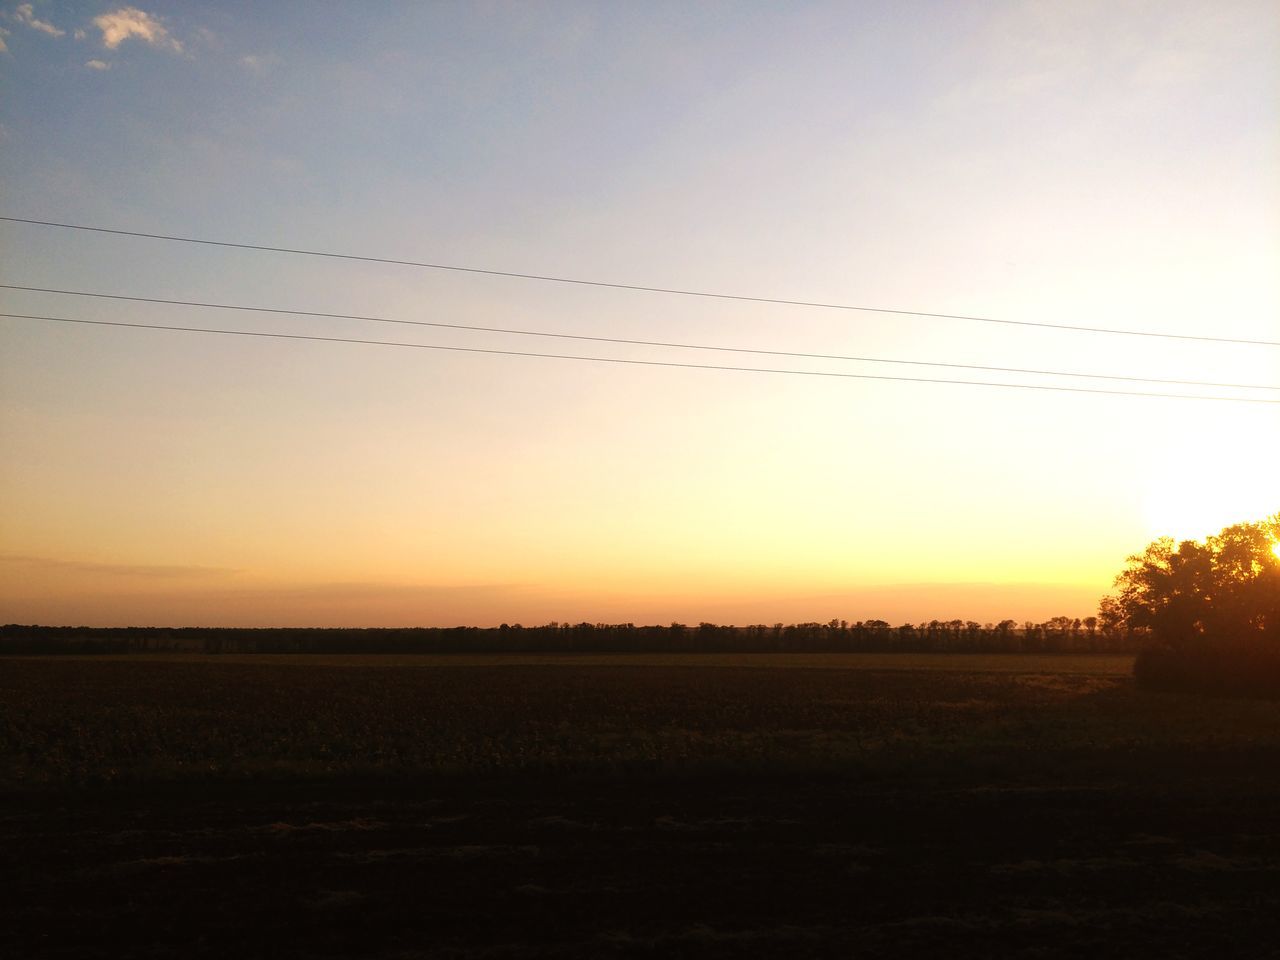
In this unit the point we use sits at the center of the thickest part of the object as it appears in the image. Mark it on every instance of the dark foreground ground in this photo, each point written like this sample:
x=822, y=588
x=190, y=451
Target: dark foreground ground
x=1043, y=809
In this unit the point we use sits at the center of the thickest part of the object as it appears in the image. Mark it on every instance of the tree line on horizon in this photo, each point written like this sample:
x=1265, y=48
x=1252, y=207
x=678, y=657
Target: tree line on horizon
x=1057, y=635
x=1202, y=616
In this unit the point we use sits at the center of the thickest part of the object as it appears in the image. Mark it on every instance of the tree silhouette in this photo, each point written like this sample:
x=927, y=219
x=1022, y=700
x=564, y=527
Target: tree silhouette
x=1209, y=609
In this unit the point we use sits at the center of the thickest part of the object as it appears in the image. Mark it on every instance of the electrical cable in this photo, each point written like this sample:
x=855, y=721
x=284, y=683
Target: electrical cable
x=643, y=363
x=641, y=343
x=634, y=286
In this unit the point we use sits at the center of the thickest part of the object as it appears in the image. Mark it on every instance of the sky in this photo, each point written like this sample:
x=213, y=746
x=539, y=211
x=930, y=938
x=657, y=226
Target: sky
x=1109, y=165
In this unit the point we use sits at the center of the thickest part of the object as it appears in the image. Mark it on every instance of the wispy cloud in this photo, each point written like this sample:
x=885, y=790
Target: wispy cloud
x=130, y=22
x=25, y=14
x=98, y=65
x=116, y=569
x=4, y=47
x=258, y=64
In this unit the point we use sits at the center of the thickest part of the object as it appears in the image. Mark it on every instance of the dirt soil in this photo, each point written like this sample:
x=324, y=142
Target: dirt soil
x=702, y=867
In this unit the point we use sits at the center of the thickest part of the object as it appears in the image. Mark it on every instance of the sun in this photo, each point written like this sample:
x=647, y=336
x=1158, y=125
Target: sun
x=1275, y=548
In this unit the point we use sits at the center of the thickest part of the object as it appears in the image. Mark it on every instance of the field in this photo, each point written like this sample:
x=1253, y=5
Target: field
x=620, y=806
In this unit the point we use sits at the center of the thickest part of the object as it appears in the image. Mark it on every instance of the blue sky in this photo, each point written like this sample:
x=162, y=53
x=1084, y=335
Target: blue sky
x=1110, y=164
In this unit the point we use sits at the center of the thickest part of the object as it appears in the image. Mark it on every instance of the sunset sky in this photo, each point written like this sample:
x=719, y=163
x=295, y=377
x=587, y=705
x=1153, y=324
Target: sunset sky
x=1104, y=164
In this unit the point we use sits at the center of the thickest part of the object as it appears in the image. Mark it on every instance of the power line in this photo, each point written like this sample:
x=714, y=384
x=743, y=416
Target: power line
x=641, y=343
x=641, y=363
x=633, y=286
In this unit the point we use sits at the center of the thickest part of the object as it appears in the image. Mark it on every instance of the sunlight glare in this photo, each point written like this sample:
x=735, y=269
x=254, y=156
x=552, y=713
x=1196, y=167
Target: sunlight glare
x=1196, y=499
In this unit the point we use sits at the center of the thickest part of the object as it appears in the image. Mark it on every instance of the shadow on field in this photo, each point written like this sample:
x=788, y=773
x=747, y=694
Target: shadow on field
x=731, y=867
x=718, y=812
